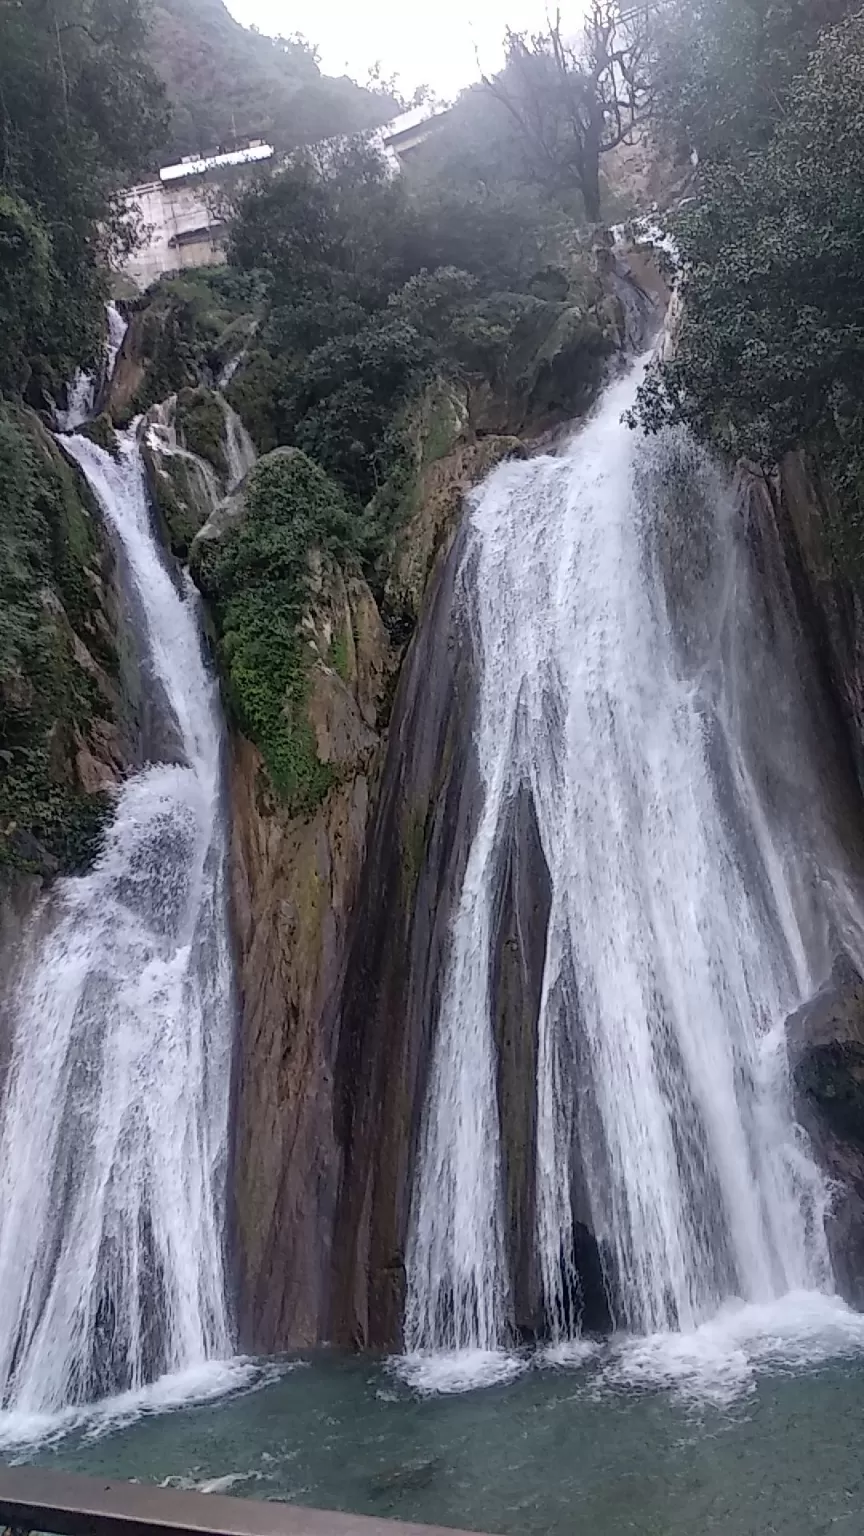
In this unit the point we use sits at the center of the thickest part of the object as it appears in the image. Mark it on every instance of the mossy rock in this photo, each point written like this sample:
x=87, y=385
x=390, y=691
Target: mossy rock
x=53, y=649
x=200, y=423
x=180, y=497
x=182, y=331
x=101, y=432
x=250, y=393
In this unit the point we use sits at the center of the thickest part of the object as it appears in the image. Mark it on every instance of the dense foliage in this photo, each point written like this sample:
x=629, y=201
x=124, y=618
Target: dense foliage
x=256, y=577
x=771, y=342
x=376, y=283
x=81, y=113
x=723, y=69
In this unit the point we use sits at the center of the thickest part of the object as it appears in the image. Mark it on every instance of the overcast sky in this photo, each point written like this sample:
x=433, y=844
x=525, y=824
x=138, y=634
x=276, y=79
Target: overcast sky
x=432, y=43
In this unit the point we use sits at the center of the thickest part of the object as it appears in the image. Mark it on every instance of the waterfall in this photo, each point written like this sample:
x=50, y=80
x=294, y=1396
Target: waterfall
x=240, y=453
x=644, y=680
x=113, y=1148
x=238, y=447
x=85, y=388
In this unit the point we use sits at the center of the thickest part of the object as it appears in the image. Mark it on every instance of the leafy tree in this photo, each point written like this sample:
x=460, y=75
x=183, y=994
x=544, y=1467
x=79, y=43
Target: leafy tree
x=722, y=70
x=376, y=281
x=770, y=350
x=80, y=114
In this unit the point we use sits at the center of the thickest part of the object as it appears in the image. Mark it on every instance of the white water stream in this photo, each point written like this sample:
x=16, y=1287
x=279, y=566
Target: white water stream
x=85, y=387
x=635, y=675
x=113, y=1147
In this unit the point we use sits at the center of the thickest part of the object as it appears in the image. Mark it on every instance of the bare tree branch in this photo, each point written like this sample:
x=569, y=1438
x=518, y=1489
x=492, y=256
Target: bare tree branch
x=572, y=104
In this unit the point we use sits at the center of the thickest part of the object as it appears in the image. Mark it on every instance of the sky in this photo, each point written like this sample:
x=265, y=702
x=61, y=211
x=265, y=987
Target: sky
x=432, y=44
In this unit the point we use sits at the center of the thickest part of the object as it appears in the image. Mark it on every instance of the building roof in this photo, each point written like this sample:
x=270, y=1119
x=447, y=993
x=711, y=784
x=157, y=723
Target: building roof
x=194, y=167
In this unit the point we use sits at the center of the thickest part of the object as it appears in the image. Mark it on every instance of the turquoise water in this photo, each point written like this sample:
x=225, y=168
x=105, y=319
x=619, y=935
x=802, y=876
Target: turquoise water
x=555, y=1450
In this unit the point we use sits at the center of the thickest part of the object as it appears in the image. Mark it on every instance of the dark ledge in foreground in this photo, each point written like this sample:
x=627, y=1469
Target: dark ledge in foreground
x=32, y=1499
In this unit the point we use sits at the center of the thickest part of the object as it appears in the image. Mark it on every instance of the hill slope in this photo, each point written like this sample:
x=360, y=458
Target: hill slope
x=225, y=82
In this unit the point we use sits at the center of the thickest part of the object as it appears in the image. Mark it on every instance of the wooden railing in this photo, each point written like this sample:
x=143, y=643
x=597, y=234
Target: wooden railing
x=66, y=1504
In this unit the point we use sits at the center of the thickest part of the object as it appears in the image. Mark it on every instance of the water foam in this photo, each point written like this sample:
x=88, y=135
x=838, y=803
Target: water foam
x=463, y=1370
x=722, y=1359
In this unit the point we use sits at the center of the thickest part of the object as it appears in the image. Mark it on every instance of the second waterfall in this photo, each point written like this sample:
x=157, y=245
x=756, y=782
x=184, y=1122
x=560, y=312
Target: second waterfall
x=643, y=687
x=114, y=1139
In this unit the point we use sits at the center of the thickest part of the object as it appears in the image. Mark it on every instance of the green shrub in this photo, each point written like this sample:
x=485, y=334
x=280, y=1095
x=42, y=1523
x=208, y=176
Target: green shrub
x=256, y=578
x=200, y=423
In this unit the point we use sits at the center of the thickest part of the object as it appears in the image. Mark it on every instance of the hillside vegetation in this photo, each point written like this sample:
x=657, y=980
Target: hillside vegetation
x=226, y=83
x=771, y=342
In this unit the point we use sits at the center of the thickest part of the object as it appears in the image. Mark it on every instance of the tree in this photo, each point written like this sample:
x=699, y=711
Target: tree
x=376, y=281
x=80, y=114
x=722, y=70
x=572, y=104
x=770, y=350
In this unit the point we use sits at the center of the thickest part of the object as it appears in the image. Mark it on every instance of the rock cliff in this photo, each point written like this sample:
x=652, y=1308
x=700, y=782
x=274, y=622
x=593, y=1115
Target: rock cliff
x=294, y=881
x=826, y=1048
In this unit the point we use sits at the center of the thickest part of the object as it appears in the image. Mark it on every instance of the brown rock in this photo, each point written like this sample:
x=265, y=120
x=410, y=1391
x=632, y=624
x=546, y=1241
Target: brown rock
x=441, y=491
x=294, y=883
x=418, y=845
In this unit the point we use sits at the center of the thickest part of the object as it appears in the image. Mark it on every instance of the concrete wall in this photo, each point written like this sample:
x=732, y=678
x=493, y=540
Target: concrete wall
x=182, y=231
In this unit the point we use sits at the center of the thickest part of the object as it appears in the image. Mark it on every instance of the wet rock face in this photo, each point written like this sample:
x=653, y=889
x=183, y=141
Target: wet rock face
x=294, y=881
x=418, y=846
x=826, y=1045
x=517, y=982
x=805, y=515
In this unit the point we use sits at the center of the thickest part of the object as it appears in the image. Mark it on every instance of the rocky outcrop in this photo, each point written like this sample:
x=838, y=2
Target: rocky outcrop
x=181, y=335
x=807, y=513
x=517, y=981
x=294, y=882
x=418, y=845
x=439, y=493
x=826, y=1050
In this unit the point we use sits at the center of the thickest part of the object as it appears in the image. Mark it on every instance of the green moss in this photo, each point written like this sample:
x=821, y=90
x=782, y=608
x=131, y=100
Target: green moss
x=443, y=419
x=50, y=558
x=413, y=849
x=257, y=580
x=185, y=328
x=251, y=393
x=200, y=423
x=339, y=653
x=179, y=497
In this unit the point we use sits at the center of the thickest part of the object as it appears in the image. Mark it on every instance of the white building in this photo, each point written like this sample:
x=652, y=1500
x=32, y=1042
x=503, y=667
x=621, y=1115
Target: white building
x=180, y=212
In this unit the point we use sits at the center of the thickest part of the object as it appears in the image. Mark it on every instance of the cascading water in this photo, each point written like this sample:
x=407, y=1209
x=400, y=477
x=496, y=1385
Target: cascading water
x=113, y=1148
x=239, y=449
x=85, y=387
x=636, y=679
